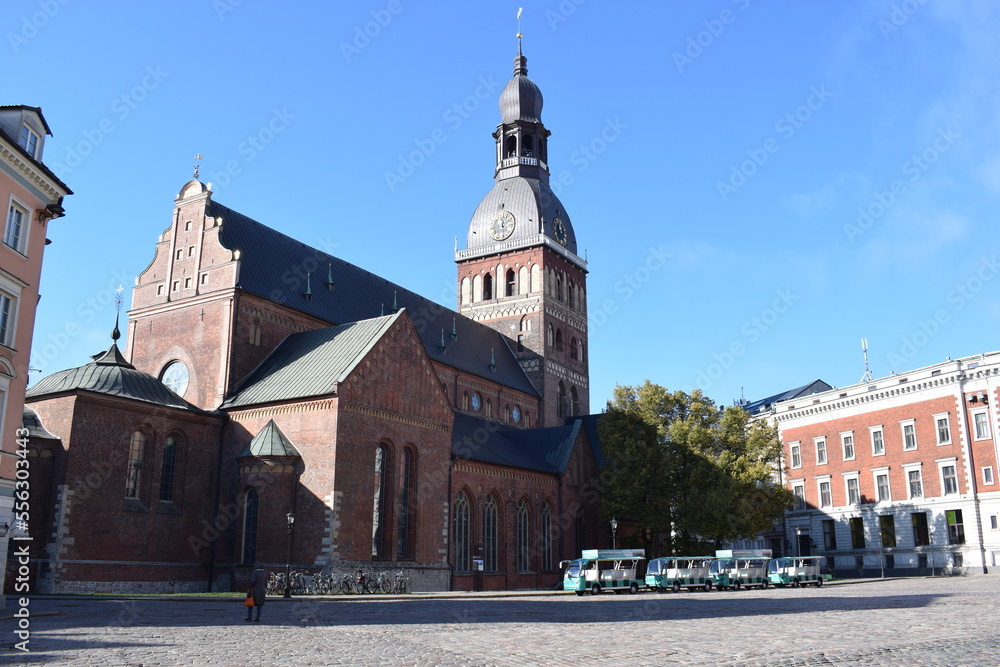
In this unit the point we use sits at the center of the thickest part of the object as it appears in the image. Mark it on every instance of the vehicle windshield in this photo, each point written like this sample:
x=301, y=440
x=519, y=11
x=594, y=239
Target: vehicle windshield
x=573, y=570
x=776, y=565
x=655, y=566
x=717, y=566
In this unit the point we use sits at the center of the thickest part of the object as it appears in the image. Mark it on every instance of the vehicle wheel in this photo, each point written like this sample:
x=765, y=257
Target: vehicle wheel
x=819, y=582
x=764, y=584
x=579, y=593
x=618, y=591
x=795, y=583
x=708, y=586
x=676, y=587
x=595, y=589
x=633, y=589
x=736, y=585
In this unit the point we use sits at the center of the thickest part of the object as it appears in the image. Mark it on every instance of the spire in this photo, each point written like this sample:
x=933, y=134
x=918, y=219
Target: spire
x=442, y=346
x=197, y=166
x=308, y=294
x=329, y=277
x=113, y=356
x=115, y=333
x=395, y=305
x=493, y=361
x=520, y=63
x=454, y=329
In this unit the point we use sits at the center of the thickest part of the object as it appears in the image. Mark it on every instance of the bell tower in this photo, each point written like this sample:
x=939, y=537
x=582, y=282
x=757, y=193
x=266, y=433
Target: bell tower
x=520, y=272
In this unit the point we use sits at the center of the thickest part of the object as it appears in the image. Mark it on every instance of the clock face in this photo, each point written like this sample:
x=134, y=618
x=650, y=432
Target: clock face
x=559, y=229
x=176, y=378
x=515, y=414
x=476, y=402
x=502, y=225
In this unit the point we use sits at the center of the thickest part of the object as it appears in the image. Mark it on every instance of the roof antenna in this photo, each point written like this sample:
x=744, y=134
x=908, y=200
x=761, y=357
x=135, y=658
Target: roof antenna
x=867, y=377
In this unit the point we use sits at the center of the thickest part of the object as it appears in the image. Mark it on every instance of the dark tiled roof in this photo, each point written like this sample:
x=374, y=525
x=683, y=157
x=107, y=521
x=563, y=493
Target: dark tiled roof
x=269, y=442
x=274, y=266
x=111, y=375
x=40, y=165
x=764, y=404
x=541, y=449
x=589, y=423
x=309, y=363
x=31, y=421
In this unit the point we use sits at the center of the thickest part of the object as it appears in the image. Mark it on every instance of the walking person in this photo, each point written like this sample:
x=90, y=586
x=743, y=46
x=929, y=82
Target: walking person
x=257, y=590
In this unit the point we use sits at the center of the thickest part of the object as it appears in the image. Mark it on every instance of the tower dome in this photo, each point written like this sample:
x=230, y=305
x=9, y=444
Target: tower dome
x=521, y=99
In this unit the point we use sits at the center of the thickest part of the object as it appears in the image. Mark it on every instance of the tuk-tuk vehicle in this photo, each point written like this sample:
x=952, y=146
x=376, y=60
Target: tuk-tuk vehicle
x=618, y=570
x=746, y=568
x=718, y=573
x=676, y=572
x=796, y=571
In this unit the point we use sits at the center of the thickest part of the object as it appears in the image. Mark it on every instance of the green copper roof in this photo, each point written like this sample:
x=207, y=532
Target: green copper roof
x=269, y=442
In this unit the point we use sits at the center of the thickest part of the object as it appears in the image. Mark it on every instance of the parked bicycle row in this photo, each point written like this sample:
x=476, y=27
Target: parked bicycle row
x=622, y=570
x=330, y=583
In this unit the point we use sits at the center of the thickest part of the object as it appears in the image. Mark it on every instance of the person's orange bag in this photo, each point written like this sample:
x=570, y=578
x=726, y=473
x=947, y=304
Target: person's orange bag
x=249, y=601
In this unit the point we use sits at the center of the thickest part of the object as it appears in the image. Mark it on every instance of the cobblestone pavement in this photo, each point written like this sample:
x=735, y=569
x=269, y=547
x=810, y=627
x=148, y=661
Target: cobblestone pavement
x=893, y=622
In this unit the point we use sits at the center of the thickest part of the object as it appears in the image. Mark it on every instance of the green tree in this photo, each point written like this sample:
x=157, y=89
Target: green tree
x=685, y=474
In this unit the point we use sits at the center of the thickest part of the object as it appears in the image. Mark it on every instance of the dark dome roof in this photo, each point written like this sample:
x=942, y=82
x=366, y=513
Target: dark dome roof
x=532, y=203
x=111, y=375
x=521, y=99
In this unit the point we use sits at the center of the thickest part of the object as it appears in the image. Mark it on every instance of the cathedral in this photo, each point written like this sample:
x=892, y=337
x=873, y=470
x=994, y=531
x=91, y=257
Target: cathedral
x=276, y=403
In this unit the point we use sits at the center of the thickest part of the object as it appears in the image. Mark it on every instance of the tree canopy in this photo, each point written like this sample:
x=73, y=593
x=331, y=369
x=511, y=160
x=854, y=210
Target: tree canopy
x=686, y=474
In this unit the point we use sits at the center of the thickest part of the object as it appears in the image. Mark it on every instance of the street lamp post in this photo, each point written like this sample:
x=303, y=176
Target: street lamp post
x=614, y=533
x=288, y=556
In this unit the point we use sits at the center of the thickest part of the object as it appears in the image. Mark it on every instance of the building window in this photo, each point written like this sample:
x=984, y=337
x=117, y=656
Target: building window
x=915, y=483
x=28, y=140
x=887, y=530
x=942, y=430
x=545, y=538
x=490, y=534
x=878, y=444
x=857, y=533
x=180, y=253
x=487, y=287
x=796, y=455
x=574, y=401
x=251, y=510
x=561, y=398
x=956, y=529
x=957, y=560
x=522, y=537
x=829, y=534
x=825, y=497
x=988, y=476
x=820, y=451
x=550, y=335
x=511, y=283
x=982, y=425
x=909, y=435
x=882, y=487
x=133, y=475
x=559, y=340
x=520, y=342
x=407, y=506
x=949, y=480
x=921, y=535
x=848, y=441
x=187, y=283
x=379, y=493
x=167, y=470
x=853, y=491
x=799, y=491
x=187, y=226
x=573, y=349
x=8, y=311
x=994, y=524
x=462, y=533
x=13, y=234
x=159, y=290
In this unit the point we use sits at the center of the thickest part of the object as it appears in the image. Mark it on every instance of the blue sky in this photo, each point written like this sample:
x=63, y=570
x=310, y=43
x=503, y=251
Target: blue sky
x=757, y=185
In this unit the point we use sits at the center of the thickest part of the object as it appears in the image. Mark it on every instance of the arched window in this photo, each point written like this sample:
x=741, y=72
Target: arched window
x=574, y=351
x=536, y=278
x=545, y=538
x=575, y=401
x=490, y=535
x=466, y=290
x=521, y=538
x=407, y=504
x=462, y=563
x=251, y=510
x=489, y=407
x=559, y=340
x=579, y=351
x=167, y=469
x=522, y=280
x=133, y=475
x=506, y=412
x=559, y=287
x=525, y=323
x=465, y=401
x=379, y=496
x=527, y=146
x=561, y=398
x=527, y=419
x=550, y=336
x=510, y=146
x=511, y=283
x=487, y=287
x=477, y=288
